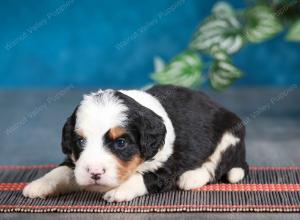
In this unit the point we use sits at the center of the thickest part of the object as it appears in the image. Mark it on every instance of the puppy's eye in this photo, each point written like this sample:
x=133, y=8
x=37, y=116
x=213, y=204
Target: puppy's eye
x=120, y=143
x=81, y=142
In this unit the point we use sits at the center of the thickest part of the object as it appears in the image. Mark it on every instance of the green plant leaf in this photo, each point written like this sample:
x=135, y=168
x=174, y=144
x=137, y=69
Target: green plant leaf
x=183, y=70
x=261, y=24
x=219, y=54
x=223, y=9
x=221, y=28
x=294, y=32
x=159, y=64
x=223, y=73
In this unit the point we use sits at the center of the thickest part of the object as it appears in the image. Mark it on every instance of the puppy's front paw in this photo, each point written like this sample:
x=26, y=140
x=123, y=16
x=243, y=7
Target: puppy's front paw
x=40, y=188
x=119, y=195
x=127, y=191
x=193, y=179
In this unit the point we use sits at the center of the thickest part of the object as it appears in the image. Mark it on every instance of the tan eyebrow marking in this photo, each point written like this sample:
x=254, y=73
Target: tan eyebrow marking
x=116, y=132
x=80, y=133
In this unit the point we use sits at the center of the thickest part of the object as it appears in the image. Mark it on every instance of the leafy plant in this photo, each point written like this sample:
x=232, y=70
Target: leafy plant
x=294, y=32
x=182, y=70
x=224, y=33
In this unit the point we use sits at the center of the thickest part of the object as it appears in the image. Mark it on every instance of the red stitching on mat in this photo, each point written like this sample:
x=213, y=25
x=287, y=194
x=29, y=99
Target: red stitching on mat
x=27, y=167
x=269, y=168
x=147, y=206
x=12, y=186
x=211, y=187
x=49, y=166
x=249, y=187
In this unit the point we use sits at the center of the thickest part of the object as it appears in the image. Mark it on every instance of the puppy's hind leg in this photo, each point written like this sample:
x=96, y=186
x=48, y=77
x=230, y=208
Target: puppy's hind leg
x=57, y=181
x=240, y=168
x=237, y=172
x=207, y=172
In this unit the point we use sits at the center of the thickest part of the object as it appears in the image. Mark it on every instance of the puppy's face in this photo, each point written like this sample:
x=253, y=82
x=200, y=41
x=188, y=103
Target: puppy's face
x=108, y=136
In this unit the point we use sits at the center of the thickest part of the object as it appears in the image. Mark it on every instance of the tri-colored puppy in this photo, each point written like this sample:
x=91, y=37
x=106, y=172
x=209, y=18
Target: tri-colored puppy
x=128, y=143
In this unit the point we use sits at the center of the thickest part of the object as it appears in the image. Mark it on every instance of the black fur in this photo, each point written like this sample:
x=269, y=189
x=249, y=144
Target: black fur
x=144, y=124
x=69, y=140
x=199, y=125
x=145, y=133
x=125, y=153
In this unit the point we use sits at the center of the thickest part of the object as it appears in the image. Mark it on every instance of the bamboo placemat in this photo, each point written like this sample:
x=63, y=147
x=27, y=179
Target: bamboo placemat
x=265, y=189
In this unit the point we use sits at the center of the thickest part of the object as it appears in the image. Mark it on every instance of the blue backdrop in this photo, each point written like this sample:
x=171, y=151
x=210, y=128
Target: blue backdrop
x=112, y=43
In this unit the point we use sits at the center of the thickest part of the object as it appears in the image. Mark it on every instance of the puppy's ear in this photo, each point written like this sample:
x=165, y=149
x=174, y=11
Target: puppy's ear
x=68, y=133
x=152, y=134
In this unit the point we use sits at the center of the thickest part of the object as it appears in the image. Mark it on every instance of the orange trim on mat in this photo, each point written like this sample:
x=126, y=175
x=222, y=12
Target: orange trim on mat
x=149, y=206
x=250, y=187
x=27, y=167
x=211, y=187
x=269, y=168
x=12, y=186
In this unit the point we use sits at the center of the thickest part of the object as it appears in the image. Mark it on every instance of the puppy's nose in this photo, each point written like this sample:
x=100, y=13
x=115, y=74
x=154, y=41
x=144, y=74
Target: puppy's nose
x=96, y=173
x=95, y=176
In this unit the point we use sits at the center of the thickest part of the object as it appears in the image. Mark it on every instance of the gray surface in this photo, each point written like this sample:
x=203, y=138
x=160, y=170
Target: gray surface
x=142, y=216
x=273, y=135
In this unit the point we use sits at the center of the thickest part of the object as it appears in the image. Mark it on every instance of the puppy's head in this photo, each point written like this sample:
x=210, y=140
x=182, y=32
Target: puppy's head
x=108, y=136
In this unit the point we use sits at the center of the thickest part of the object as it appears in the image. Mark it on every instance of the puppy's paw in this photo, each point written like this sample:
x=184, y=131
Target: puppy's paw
x=193, y=179
x=119, y=195
x=128, y=190
x=40, y=188
x=235, y=175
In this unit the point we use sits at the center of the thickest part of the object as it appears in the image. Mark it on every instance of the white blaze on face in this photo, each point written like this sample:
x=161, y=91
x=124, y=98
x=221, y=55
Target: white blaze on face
x=97, y=113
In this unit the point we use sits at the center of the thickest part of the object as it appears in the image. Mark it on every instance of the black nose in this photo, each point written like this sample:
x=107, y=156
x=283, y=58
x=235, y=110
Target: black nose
x=95, y=176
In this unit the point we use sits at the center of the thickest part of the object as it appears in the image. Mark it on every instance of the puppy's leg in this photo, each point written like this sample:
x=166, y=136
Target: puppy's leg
x=240, y=168
x=206, y=173
x=57, y=181
x=133, y=187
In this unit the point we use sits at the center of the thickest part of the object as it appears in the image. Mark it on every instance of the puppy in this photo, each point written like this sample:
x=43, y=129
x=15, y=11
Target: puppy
x=128, y=143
